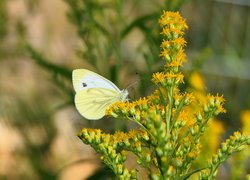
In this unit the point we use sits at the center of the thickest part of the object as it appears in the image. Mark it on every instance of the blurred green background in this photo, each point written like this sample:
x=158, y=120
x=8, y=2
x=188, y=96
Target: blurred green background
x=42, y=41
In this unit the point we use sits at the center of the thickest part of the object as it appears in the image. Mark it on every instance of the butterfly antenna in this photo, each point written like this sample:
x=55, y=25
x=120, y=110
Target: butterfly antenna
x=131, y=85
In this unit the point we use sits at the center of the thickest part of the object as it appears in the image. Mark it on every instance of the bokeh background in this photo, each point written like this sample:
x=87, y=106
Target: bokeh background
x=42, y=41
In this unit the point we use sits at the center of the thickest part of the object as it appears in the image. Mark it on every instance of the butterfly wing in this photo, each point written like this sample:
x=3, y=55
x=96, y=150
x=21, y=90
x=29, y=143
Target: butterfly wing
x=92, y=103
x=84, y=79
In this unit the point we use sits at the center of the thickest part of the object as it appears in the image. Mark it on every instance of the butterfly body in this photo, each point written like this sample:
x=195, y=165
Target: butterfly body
x=94, y=93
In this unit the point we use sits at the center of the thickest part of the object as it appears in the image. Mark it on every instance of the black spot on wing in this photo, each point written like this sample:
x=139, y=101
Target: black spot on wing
x=84, y=84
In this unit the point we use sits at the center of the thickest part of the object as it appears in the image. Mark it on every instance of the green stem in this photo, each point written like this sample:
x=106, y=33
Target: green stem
x=169, y=113
x=140, y=124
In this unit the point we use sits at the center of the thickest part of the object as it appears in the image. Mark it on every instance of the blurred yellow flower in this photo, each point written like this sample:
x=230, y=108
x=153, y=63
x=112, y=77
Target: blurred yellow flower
x=245, y=120
x=215, y=131
x=197, y=81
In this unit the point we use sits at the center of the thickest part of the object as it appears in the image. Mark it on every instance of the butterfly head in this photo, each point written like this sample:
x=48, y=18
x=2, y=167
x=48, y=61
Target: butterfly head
x=124, y=95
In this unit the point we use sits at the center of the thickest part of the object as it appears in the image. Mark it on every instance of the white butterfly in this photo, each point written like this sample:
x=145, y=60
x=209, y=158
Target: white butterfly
x=94, y=93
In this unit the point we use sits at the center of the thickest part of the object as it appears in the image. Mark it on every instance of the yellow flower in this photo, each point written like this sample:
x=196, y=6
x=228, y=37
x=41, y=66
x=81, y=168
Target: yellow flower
x=172, y=19
x=142, y=103
x=179, y=41
x=190, y=97
x=167, y=31
x=214, y=133
x=179, y=78
x=197, y=81
x=216, y=101
x=165, y=44
x=165, y=53
x=245, y=120
x=120, y=137
x=164, y=78
x=178, y=60
x=174, y=64
x=154, y=97
x=193, y=154
x=124, y=108
x=159, y=77
x=187, y=115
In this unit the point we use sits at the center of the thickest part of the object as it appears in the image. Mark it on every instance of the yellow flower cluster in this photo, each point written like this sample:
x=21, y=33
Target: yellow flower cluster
x=97, y=136
x=172, y=123
x=235, y=143
x=167, y=79
x=215, y=103
x=172, y=22
x=110, y=146
x=173, y=27
x=197, y=81
x=174, y=128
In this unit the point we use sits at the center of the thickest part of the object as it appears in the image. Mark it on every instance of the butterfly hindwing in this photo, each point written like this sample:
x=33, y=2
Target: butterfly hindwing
x=92, y=103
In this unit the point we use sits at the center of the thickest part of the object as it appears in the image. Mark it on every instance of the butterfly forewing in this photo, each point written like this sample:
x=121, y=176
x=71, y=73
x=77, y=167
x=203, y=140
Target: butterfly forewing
x=85, y=79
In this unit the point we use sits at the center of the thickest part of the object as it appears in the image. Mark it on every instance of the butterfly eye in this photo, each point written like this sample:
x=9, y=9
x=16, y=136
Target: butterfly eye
x=84, y=84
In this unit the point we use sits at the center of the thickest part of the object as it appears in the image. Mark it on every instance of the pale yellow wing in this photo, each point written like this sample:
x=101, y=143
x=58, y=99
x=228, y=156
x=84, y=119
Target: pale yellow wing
x=85, y=79
x=92, y=103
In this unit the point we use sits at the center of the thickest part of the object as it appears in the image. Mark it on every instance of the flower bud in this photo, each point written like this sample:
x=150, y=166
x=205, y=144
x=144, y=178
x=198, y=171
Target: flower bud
x=126, y=173
x=126, y=142
x=155, y=177
x=199, y=118
x=148, y=157
x=205, y=108
x=170, y=171
x=177, y=102
x=178, y=162
x=120, y=168
x=224, y=148
x=168, y=146
x=159, y=151
x=133, y=173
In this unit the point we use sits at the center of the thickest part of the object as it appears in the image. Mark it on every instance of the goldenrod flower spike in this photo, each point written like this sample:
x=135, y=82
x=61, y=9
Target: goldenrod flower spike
x=172, y=122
